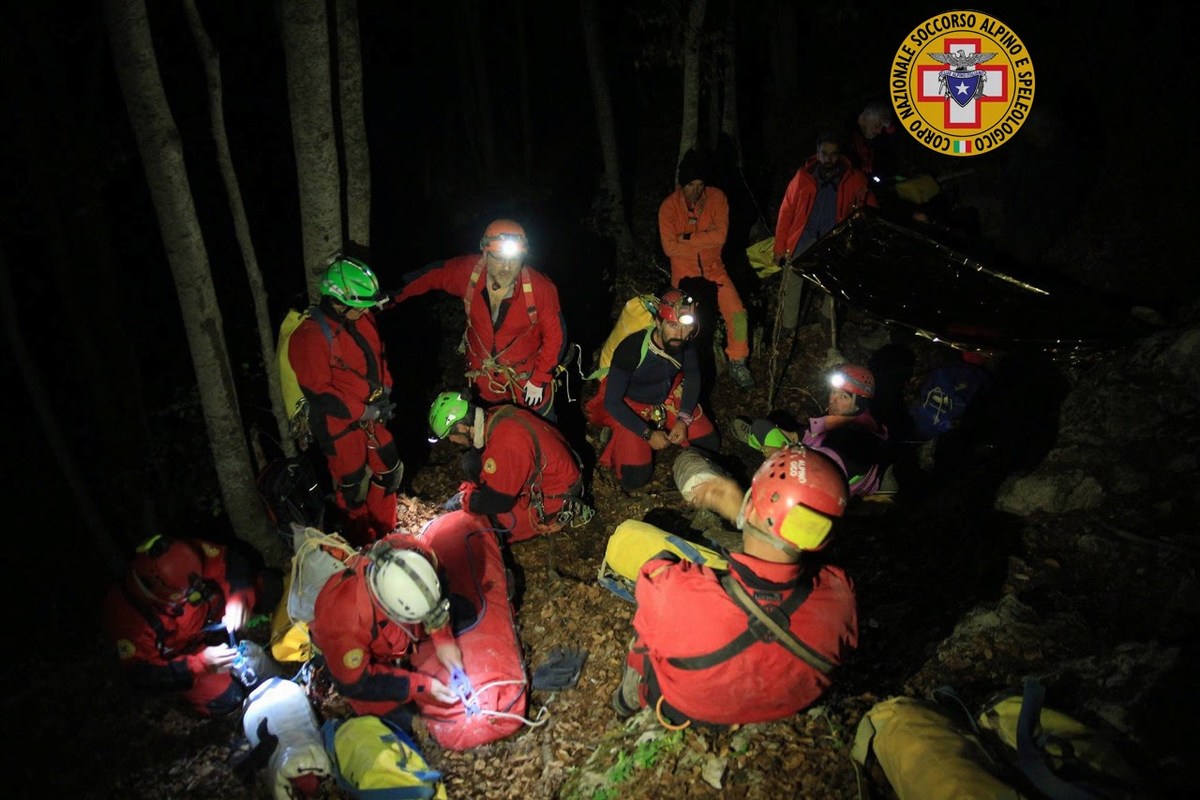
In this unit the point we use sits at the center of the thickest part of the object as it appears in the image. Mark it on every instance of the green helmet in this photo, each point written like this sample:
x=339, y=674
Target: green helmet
x=447, y=409
x=351, y=282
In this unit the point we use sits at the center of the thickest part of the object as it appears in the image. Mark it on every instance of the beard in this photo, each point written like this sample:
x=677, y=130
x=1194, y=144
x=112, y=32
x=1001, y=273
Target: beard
x=674, y=347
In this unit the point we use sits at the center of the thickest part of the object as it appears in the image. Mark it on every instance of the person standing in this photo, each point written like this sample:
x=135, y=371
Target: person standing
x=693, y=222
x=822, y=193
x=337, y=355
x=515, y=335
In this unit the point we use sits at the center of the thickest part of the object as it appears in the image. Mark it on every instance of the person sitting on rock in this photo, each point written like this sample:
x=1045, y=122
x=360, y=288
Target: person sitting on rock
x=700, y=651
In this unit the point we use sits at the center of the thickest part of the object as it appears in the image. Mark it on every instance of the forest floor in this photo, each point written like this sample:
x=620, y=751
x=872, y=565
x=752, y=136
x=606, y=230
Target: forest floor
x=950, y=592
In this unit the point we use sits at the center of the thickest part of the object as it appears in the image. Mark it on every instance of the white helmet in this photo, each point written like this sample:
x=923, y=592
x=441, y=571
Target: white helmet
x=405, y=586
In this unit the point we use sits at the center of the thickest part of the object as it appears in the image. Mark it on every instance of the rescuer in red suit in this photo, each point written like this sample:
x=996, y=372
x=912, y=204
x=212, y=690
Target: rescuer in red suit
x=366, y=618
x=520, y=470
x=337, y=355
x=695, y=655
x=515, y=335
x=157, y=615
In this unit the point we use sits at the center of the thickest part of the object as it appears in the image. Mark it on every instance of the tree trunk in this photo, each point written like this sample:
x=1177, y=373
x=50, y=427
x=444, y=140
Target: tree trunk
x=354, y=126
x=166, y=174
x=39, y=400
x=729, y=106
x=306, y=49
x=606, y=128
x=691, y=78
x=241, y=225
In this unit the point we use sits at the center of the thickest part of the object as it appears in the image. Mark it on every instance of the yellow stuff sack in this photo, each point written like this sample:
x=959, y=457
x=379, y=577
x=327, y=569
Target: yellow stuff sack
x=634, y=543
x=373, y=758
x=762, y=257
x=1016, y=748
x=636, y=315
x=920, y=189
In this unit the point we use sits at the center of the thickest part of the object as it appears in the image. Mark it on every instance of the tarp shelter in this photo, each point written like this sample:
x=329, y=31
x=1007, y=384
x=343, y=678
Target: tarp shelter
x=912, y=281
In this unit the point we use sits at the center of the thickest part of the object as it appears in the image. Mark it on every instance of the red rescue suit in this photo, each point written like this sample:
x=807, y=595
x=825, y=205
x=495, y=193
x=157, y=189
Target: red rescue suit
x=683, y=612
x=160, y=647
x=364, y=649
x=522, y=343
x=527, y=459
x=852, y=193
x=340, y=367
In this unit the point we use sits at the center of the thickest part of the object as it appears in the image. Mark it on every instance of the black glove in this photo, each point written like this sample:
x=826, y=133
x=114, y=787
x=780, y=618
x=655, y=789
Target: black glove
x=380, y=410
x=560, y=670
x=781, y=261
x=454, y=503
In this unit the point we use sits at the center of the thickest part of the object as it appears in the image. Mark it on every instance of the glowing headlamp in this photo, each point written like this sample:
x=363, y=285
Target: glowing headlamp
x=842, y=381
x=510, y=247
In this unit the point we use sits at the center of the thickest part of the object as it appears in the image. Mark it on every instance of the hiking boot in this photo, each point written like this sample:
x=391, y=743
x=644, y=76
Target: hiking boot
x=741, y=374
x=625, y=698
x=740, y=427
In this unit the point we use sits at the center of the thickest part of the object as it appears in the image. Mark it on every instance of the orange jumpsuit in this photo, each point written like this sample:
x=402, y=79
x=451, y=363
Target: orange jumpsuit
x=699, y=256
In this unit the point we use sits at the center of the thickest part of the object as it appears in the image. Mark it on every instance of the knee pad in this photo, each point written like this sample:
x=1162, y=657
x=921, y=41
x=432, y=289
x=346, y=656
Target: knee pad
x=353, y=487
x=709, y=441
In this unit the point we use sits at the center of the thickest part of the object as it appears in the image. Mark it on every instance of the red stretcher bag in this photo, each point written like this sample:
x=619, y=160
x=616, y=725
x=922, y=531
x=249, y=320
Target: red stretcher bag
x=469, y=554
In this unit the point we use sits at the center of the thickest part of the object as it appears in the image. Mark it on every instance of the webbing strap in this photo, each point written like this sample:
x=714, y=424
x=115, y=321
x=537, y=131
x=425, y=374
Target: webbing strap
x=1031, y=759
x=762, y=626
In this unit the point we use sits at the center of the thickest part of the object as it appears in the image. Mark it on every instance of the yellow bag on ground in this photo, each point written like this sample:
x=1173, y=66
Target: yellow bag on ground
x=762, y=257
x=925, y=755
x=920, y=189
x=636, y=315
x=634, y=543
x=371, y=756
x=289, y=641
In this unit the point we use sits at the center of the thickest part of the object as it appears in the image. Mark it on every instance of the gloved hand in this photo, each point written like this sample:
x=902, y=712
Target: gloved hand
x=533, y=393
x=560, y=670
x=380, y=410
x=454, y=503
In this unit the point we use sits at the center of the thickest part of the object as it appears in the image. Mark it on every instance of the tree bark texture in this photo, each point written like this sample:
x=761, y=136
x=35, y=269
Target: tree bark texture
x=354, y=126
x=729, y=108
x=241, y=224
x=166, y=174
x=606, y=129
x=691, y=78
x=306, y=47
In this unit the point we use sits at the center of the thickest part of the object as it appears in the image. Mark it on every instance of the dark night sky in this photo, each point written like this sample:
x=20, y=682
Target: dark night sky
x=1116, y=77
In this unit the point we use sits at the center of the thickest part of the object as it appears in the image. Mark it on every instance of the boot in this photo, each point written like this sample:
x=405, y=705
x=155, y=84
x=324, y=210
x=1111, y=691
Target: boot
x=741, y=374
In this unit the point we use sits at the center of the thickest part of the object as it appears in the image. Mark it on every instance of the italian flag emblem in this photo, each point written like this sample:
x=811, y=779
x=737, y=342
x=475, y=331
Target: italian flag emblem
x=962, y=145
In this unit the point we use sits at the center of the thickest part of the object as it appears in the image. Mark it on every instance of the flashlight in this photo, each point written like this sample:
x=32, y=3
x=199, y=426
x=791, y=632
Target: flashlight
x=509, y=247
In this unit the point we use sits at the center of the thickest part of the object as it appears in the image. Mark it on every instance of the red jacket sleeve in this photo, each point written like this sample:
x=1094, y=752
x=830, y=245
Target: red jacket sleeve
x=451, y=276
x=552, y=327
x=309, y=354
x=788, y=228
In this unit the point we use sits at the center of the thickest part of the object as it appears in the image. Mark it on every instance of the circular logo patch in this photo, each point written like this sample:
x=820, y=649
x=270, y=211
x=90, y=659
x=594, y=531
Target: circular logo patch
x=353, y=659
x=125, y=649
x=489, y=466
x=962, y=83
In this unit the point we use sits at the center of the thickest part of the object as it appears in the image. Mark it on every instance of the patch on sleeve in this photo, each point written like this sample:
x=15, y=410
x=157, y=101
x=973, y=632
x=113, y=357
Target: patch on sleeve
x=489, y=466
x=125, y=649
x=210, y=551
x=353, y=659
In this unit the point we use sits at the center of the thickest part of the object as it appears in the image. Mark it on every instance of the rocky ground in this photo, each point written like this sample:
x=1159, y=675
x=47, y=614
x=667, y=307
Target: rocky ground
x=1069, y=557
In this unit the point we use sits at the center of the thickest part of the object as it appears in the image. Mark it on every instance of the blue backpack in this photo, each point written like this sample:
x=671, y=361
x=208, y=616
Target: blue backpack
x=944, y=396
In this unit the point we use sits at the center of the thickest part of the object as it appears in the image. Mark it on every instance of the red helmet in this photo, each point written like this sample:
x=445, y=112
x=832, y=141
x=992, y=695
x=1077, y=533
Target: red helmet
x=167, y=570
x=854, y=379
x=504, y=238
x=675, y=306
x=794, y=494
